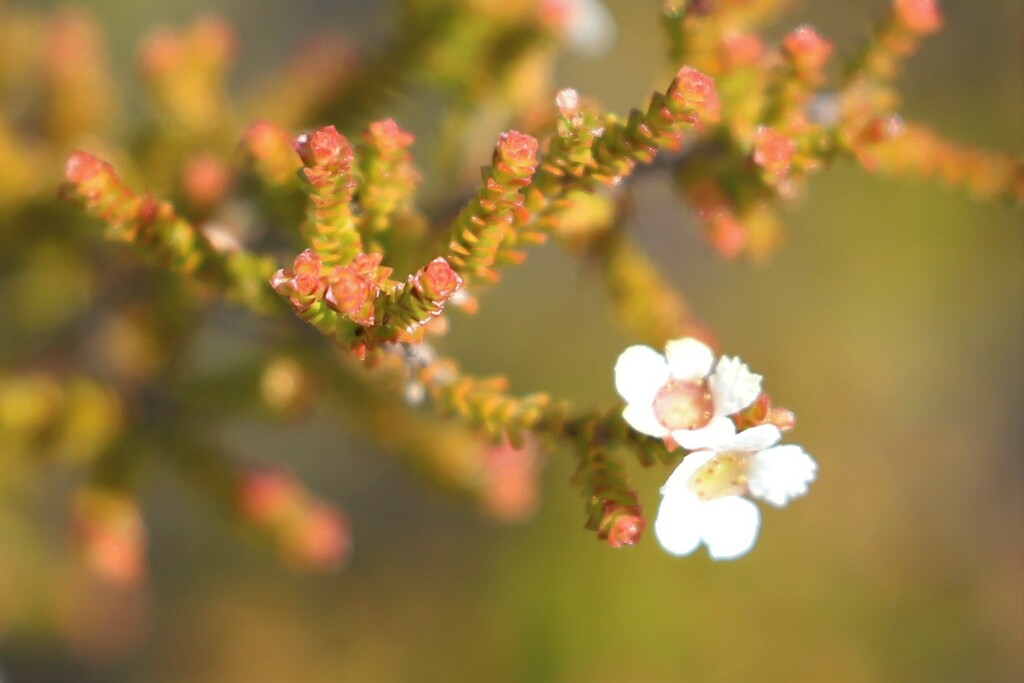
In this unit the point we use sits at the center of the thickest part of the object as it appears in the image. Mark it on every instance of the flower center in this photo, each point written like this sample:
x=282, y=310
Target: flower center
x=684, y=404
x=723, y=475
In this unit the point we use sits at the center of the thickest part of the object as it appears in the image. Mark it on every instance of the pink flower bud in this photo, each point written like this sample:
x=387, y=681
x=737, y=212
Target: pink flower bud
x=266, y=496
x=386, y=135
x=518, y=151
x=782, y=418
x=322, y=540
x=621, y=525
x=112, y=535
x=741, y=49
x=692, y=89
x=205, y=180
x=509, y=490
x=773, y=152
x=352, y=294
x=161, y=53
x=264, y=139
x=726, y=234
x=82, y=167
x=438, y=280
x=918, y=16
x=808, y=50
x=324, y=147
x=214, y=38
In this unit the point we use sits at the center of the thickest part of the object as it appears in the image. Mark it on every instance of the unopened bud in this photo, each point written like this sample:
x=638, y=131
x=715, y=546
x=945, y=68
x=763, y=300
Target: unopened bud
x=438, y=280
x=82, y=167
x=324, y=147
x=621, y=525
x=808, y=51
x=518, y=151
x=772, y=151
x=205, y=180
x=918, y=16
x=692, y=89
x=386, y=135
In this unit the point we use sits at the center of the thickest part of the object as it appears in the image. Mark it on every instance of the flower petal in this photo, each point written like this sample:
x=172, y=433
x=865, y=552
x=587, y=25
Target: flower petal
x=719, y=431
x=679, y=480
x=639, y=372
x=729, y=526
x=733, y=386
x=678, y=524
x=779, y=474
x=754, y=439
x=641, y=417
x=689, y=358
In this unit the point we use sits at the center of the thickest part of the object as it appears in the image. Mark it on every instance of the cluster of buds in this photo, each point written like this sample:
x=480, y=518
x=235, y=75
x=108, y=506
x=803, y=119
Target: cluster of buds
x=351, y=289
x=310, y=534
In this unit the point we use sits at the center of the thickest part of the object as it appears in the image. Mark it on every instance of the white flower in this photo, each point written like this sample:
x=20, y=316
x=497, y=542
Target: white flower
x=677, y=395
x=588, y=25
x=703, y=499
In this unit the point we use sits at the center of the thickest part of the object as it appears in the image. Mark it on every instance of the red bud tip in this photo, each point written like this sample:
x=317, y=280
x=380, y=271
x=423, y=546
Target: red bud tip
x=742, y=49
x=386, y=135
x=918, y=16
x=351, y=293
x=626, y=530
x=82, y=167
x=726, y=235
x=782, y=418
x=266, y=495
x=518, y=150
x=206, y=180
x=621, y=525
x=264, y=139
x=808, y=50
x=307, y=263
x=325, y=146
x=323, y=540
x=696, y=90
x=438, y=280
x=773, y=152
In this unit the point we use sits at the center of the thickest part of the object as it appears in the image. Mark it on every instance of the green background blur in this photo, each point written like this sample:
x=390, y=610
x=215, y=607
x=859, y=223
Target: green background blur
x=891, y=322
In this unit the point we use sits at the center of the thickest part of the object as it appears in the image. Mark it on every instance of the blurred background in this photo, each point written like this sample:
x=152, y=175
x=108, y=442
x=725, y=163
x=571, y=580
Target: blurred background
x=891, y=322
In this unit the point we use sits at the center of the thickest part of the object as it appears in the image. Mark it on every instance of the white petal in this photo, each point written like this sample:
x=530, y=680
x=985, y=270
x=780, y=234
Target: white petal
x=719, y=431
x=640, y=417
x=680, y=478
x=639, y=372
x=733, y=386
x=678, y=524
x=780, y=474
x=689, y=358
x=591, y=28
x=754, y=439
x=730, y=526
